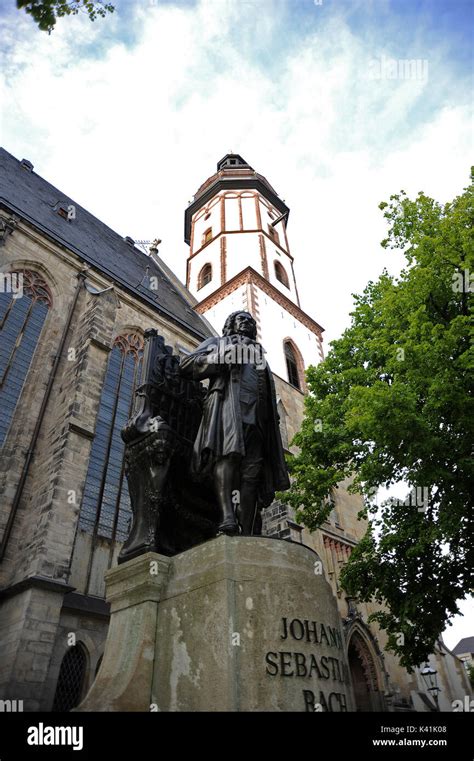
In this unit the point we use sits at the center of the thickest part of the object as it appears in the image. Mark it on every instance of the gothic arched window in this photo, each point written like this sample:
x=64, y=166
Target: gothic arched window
x=291, y=357
x=71, y=679
x=24, y=302
x=105, y=508
x=280, y=274
x=205, y=276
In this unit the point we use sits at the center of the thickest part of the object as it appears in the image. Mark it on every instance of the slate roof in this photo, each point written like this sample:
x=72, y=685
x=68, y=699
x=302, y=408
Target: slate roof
x=36, y=201
x=465, y=645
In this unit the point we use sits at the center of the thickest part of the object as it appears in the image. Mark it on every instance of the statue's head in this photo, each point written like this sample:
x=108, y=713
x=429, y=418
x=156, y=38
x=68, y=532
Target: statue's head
x=240, y=322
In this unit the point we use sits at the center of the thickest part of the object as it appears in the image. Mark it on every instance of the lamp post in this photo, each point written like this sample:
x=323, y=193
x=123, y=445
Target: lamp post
x=430, y=679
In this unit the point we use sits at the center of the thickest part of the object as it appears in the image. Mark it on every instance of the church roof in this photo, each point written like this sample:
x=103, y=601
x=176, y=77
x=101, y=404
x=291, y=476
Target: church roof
x=465, y=645
x=38, y=202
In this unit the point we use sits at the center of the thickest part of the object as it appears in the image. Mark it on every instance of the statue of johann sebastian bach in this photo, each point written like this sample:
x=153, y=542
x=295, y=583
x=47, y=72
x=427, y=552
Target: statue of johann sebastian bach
x=239, y=441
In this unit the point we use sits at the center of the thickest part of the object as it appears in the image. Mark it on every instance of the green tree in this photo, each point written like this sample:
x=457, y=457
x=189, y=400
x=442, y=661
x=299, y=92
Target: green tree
x=470, y=673
x=46, y=12
x=391, y=403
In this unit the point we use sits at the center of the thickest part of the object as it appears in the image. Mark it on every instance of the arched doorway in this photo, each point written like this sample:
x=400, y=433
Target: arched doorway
x=363, y=674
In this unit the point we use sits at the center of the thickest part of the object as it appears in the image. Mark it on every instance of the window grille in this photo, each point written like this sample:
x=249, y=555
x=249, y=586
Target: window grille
x=71, y=679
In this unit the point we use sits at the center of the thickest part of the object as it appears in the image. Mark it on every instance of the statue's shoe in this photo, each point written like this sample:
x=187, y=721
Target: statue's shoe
x=231, y=528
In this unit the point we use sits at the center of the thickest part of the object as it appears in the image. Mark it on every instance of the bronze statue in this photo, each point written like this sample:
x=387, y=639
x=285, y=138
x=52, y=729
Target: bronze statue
x=238, y=441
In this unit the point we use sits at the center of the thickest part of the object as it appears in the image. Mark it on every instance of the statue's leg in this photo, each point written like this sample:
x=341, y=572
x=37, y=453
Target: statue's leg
x=246, y=511
x=226, y=476
x=250, y=471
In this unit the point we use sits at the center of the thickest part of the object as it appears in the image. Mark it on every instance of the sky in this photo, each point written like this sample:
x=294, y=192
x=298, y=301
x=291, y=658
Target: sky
x=130, y=114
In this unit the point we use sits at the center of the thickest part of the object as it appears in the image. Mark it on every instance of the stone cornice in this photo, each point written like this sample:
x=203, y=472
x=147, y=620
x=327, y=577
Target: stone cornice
x=38, y=582
x=253, y=231
x=220, y=181
x=249, y=275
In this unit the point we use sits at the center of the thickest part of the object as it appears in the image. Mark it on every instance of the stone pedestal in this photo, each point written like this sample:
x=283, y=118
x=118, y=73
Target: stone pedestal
x=235, y=624
x=125, y=677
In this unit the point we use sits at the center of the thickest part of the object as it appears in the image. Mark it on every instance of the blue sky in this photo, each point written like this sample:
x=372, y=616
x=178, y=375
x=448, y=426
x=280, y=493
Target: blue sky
x=129, y=115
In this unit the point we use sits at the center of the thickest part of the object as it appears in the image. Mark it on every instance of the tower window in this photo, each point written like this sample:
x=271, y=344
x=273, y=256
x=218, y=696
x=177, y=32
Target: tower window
x=292, y=365
x=207, y=236
x=207, y=216
x=280, y=274
x=273, y=235
x=205, y=276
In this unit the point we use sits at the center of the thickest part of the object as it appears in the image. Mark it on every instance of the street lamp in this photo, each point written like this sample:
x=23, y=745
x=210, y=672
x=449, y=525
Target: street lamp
x=430, y=679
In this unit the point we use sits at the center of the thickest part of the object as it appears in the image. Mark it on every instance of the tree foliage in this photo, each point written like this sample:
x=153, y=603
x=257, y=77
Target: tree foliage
x=392, y=402
x=470, y=673
x=46, y=12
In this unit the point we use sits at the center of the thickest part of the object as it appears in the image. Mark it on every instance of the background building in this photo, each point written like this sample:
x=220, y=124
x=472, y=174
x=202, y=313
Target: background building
x=464, y=650
x=75, y=299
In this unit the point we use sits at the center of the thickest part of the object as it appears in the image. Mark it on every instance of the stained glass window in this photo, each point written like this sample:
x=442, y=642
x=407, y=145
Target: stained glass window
x=105, y=508
x=24, y=302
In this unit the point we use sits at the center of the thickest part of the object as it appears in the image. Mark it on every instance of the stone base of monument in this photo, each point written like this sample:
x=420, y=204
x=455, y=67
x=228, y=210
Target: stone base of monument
x=235, y=624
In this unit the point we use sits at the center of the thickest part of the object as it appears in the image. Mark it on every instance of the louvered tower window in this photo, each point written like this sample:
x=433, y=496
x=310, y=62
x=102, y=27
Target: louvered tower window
x=105, y=508
x=23, y=310
x=280, y=274
x=292, y=365
x=205, y=276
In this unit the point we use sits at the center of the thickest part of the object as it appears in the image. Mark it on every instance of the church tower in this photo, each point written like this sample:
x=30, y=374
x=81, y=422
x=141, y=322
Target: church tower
x=239, y=258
